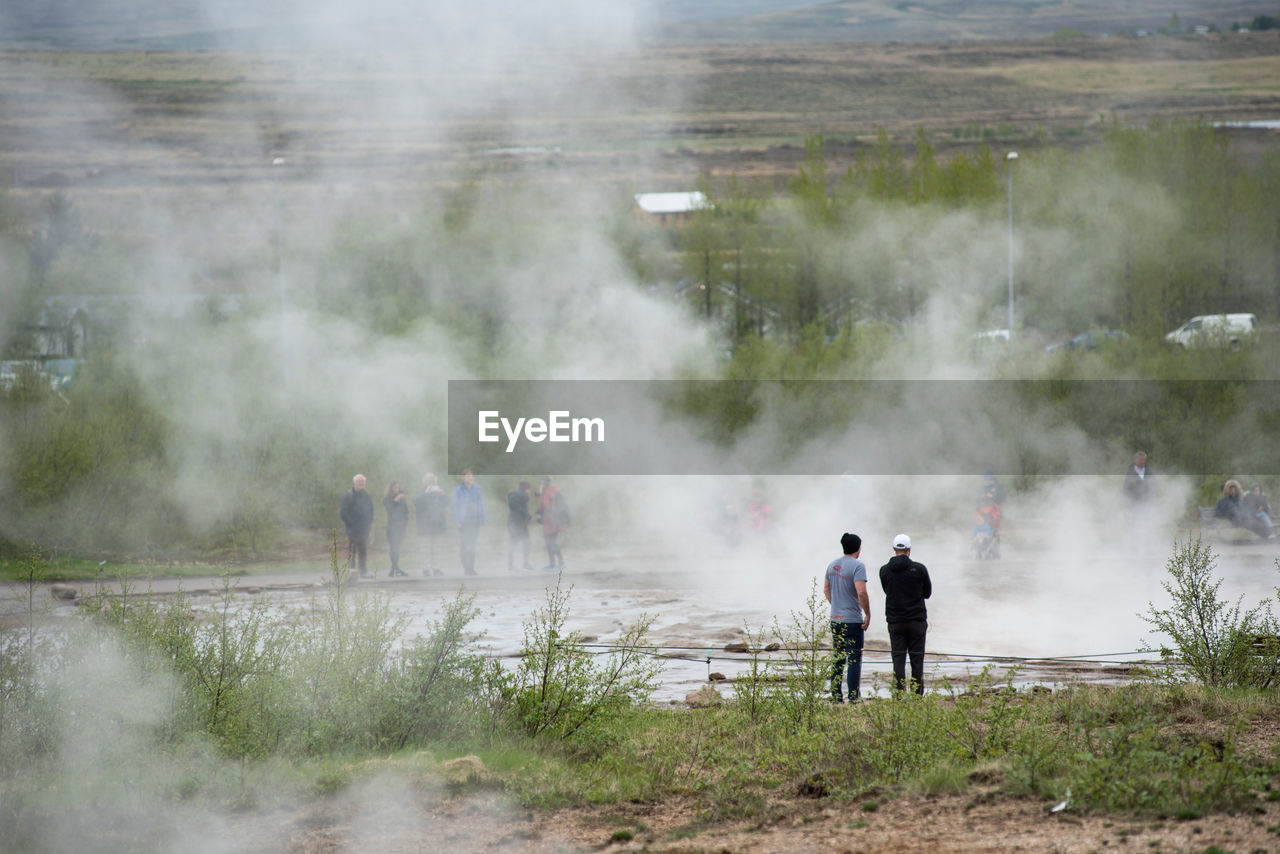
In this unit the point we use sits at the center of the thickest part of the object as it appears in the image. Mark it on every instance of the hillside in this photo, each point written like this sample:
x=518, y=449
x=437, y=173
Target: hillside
x=292, y=24
x=943, y=20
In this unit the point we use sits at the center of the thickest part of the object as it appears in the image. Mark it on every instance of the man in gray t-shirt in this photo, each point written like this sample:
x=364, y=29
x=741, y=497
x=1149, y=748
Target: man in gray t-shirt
x=845, y=586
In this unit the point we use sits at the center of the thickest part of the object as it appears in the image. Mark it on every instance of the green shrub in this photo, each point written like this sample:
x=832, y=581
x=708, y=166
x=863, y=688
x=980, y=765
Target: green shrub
x=438, y=690
x=755, y=689
x=806, y=672
x=1214, y=641
x=562, y=692
x=1125, y=758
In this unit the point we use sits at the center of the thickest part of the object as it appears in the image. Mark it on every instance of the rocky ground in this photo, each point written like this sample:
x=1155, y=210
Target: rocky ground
x=975, y=822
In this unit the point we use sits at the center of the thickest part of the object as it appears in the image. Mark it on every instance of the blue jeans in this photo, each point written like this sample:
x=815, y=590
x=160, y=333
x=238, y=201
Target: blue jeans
x=846, y=643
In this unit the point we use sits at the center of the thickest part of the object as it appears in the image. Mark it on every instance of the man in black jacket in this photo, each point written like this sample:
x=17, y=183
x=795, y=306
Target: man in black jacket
x=1137, y=479
x=431, y=506
x=357, y=517
x=906, y=585
x=518, y=517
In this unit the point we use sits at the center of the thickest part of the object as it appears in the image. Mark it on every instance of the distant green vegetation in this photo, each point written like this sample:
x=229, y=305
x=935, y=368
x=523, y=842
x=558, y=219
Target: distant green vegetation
x=1164, y=223
x=821, y=280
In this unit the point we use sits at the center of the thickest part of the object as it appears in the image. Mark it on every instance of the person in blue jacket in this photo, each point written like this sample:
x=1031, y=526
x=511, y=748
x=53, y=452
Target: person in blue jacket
x=469, y=516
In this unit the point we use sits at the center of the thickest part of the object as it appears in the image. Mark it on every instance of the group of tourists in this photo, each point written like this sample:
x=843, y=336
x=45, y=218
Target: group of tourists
x=906, y=584
x=1249, y=510
x=432, y=508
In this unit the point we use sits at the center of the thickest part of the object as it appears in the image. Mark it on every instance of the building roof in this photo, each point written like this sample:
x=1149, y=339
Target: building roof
x=671, y=203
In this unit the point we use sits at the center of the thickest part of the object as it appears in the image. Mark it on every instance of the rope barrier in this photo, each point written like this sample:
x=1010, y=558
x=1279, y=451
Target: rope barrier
x=710, y=654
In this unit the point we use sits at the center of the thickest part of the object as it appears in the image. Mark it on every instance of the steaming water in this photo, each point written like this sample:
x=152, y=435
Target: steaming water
x=1082, y=601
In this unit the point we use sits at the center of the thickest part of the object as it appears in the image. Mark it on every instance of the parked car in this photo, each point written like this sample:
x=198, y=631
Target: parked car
x=59, y=372
x=1214, y=330
x=1091, y=340
x=990, y=339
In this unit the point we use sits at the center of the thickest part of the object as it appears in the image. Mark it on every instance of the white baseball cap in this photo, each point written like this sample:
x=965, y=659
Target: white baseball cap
x=902, y=541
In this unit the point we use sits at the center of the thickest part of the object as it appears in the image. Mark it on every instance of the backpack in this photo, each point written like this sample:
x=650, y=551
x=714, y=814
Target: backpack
x=560, y=511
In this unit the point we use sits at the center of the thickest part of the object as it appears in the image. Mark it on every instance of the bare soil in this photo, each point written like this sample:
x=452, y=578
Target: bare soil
x=979, y=821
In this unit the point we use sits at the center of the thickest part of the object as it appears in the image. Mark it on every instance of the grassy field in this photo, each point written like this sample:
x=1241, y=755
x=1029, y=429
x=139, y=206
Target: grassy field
x=122, y=122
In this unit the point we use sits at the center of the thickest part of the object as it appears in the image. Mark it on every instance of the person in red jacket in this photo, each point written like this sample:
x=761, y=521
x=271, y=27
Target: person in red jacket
x=551, y=512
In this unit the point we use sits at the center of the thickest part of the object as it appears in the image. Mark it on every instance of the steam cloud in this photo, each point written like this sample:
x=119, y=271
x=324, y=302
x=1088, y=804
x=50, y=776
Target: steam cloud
x=566, y=307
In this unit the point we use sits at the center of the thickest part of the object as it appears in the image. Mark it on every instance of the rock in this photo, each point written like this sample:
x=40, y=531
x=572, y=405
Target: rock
x=703, y=697
x=773, y=647
x=63, y=591
x=814, y=786
x=736, y=646
x=464, y=769
x=589, y=639
x=716, y=677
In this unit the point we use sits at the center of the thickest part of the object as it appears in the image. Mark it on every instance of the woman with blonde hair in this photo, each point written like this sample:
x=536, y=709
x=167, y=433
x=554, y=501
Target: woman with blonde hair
x=1231, y=507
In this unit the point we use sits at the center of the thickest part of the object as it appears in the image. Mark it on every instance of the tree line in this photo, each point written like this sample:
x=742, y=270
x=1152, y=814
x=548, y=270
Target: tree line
x=823, y=280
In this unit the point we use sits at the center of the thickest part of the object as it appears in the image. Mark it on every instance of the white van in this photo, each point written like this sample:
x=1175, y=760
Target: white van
x=1214, y=330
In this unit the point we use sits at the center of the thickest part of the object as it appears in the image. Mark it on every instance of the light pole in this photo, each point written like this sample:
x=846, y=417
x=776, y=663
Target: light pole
x=276, y=165
x=1009, y=159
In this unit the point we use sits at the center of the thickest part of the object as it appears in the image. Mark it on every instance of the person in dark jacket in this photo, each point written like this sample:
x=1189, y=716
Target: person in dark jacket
x=357, y=518
x=1137, y=479
x=1232, y=508
x=431, y=507
x=1257, y=506
x=397, y=523
x=906, y=585
x=991, y=490
x=469, y=516
x=518, y=518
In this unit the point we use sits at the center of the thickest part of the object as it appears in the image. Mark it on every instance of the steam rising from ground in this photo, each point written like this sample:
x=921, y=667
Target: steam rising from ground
x=560, y=303
x=112, y=790
x=536, y=270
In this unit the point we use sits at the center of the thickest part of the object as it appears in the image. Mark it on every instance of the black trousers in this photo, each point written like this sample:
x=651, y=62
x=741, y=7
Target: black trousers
x=907, y=639
x=554, y=556
x=358, y=549
x=518, y=540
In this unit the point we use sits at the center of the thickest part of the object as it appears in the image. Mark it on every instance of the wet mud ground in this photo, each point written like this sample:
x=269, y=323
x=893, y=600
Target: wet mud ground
x=1034, y=616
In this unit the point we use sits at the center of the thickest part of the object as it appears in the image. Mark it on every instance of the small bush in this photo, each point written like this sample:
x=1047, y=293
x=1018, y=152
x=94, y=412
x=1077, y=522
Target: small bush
x=1214, y=641
x=563, y=691
x=807, y=672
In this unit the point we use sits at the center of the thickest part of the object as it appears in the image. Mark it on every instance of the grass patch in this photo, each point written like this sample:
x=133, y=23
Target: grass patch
x=87, y=569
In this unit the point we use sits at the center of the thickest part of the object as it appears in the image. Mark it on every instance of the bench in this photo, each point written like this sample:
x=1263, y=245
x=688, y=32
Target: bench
x=1222, y=529
x=1209, y=520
